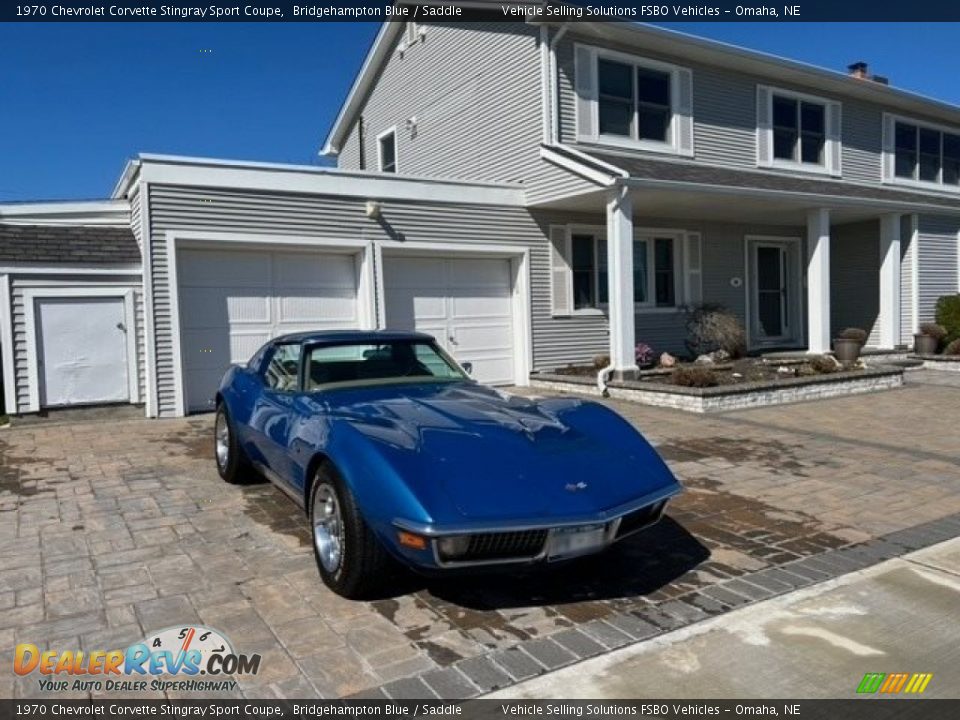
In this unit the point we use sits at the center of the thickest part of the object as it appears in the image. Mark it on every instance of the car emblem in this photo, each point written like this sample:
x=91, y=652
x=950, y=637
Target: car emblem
x=574, y=487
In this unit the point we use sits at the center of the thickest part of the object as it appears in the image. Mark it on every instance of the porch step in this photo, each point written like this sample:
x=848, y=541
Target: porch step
x=906, y=363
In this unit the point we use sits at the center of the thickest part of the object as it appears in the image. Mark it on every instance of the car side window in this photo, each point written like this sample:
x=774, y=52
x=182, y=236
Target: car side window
x=282, y=372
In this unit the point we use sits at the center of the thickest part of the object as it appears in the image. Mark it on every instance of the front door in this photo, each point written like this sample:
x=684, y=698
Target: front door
x=774, y=303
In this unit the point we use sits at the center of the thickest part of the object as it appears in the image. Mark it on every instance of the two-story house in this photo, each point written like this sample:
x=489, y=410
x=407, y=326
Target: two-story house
x=533, y=193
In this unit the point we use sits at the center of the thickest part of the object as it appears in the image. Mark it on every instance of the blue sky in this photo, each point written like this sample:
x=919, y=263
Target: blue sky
x=76, y=100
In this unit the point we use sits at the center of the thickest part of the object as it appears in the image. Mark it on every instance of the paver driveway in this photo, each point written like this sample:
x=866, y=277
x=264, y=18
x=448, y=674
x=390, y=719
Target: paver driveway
x=112, y=529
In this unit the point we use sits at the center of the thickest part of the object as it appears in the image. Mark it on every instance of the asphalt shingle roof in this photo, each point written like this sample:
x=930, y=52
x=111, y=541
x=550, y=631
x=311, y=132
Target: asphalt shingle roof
x=68, y=245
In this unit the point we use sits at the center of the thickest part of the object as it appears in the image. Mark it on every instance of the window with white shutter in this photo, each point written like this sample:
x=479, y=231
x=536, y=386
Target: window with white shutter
x=692, y=264
x=629, y=101
x=561, y=278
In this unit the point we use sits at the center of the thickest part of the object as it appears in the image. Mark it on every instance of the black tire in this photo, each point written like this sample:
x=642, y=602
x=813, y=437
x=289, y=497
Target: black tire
x=236, y=469
x=364, y=563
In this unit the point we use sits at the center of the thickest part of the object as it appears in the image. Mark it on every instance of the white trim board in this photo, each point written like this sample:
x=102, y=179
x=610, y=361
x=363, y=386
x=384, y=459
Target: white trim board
x=6, y=348
x=519, y=258
x=363, y=249
x=15, y=268
x=30, y=297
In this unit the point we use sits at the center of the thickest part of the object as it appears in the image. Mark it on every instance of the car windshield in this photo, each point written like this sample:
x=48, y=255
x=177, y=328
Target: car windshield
x=353, y=364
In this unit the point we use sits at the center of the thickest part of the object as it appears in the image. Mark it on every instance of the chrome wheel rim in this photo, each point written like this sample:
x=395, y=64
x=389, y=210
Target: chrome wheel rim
x=327, y=528
x=222, y=436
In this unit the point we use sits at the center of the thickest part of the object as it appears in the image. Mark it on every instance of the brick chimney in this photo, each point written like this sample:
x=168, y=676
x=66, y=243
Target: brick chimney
x=859, y=70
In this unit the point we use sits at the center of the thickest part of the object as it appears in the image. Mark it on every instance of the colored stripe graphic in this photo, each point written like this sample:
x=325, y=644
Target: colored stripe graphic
x=893, y=683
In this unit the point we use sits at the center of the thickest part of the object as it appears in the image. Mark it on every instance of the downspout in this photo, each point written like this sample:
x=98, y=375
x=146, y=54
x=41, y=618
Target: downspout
x=552, y=84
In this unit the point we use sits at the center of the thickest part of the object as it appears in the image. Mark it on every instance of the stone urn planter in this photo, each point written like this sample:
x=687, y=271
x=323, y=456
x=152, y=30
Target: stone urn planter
x=847, y=351
x=924, y=344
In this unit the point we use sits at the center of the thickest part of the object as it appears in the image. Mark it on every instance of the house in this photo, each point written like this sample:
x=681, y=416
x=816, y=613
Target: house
x=533, y=193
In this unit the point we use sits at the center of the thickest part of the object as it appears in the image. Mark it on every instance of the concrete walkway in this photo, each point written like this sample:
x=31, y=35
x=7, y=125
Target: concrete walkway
x=899, y=616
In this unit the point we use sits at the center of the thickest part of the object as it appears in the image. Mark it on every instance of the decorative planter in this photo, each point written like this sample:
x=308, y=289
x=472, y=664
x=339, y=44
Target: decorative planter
x=847, y=351
x=924, y=344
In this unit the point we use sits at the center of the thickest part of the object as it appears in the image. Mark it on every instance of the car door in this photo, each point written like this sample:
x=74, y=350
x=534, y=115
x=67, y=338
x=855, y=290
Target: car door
x=272, y=417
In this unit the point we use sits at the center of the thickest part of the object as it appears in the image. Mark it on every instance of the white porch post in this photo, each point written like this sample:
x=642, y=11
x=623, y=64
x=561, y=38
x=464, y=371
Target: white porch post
x=889, y=280
x=818, y=280
x=620, y=282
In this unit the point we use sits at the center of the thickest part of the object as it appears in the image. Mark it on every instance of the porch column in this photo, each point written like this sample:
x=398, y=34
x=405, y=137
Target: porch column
x=890, y=280
x=818, y=280
x=620, y=283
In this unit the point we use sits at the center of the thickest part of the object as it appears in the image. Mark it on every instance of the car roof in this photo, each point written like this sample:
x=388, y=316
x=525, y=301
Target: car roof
x=351, y=336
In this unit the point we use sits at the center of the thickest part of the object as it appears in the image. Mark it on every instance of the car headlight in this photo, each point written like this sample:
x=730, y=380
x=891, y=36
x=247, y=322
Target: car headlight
x=453, y=546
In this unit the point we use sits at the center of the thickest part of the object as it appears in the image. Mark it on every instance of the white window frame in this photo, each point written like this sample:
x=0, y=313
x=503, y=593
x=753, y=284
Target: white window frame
x=889, y=154
x=775, y=162
x=396, y=150
x=599, y=234
x=672, y=146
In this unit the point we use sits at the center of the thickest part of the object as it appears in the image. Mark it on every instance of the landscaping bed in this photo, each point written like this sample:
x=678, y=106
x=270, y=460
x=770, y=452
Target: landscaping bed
x=759, y=385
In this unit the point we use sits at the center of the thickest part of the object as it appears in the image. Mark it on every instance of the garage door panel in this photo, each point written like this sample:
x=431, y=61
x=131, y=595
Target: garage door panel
x=467, y=299
x=337, y=306
x=476, y=272
x=209, y=268
x=310, y=271
x=233, y=301
x=416, y=273
x=216, y=307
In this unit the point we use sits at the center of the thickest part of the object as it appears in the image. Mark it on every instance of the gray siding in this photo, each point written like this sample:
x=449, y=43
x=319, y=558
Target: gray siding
x=178, y=208
x=725, y=114
x=475, y=91
x=855, y=278
x=938, y=263
x=548, y=182
x=21, y=360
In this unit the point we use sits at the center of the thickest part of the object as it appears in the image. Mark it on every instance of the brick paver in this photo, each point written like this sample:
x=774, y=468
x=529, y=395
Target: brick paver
x=113, y=529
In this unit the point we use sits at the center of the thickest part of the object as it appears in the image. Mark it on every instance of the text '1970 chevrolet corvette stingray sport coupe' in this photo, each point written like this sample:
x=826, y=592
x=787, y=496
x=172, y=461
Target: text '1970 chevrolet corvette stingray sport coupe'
x=398, y=455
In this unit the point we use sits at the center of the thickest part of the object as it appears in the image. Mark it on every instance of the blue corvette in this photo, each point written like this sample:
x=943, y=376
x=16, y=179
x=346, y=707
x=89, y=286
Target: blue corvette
x=397, y=455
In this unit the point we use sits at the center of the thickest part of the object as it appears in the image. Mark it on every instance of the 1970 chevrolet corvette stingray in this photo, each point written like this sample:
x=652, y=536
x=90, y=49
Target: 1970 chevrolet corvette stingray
x=397, y=455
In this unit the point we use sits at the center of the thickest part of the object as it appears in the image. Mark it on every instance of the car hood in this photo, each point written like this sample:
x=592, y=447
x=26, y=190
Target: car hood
x=495, y=456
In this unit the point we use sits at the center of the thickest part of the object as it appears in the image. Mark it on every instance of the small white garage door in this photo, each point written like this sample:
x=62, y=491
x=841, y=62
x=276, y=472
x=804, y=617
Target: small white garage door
x=82, y=353
x=233, y=301
x=466, y=303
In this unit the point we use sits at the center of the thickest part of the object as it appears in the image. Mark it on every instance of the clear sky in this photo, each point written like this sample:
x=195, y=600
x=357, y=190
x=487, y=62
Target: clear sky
x=76, y=100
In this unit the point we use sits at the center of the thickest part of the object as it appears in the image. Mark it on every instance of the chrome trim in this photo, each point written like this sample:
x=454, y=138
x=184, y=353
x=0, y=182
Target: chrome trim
x=610, y=536
x=281, y=484
x=432, y=531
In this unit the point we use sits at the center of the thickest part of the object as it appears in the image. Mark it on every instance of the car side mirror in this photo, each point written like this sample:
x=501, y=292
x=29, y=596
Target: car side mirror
x=467, y=367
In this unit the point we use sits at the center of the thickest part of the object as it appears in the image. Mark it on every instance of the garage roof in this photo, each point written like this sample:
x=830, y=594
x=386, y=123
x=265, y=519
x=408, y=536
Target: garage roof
x=68, y=245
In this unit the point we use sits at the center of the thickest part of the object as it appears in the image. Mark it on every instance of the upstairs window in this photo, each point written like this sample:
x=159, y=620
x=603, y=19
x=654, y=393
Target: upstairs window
x=633, y=102
x=387, y=151
x=926, y=154
x=799, y=131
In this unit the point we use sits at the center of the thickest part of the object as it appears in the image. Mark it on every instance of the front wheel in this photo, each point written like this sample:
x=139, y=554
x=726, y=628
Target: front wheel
x=351, y=560
x=231, y=462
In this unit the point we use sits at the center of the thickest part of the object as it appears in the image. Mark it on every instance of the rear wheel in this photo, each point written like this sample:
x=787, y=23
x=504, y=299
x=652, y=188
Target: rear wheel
x=232, y=464
x=351, y=560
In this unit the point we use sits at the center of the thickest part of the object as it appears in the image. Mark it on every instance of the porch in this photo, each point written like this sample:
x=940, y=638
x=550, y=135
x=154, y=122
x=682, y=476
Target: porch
x=795, y=267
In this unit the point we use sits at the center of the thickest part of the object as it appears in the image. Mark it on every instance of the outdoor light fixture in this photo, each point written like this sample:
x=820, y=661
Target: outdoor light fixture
x=373, y=210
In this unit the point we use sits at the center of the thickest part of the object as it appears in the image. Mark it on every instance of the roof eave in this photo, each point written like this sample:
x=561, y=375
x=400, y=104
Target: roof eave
x=361, y=87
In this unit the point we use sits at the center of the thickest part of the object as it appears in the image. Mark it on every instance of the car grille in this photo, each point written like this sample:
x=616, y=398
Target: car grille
x=639, y=519
x=505, y=545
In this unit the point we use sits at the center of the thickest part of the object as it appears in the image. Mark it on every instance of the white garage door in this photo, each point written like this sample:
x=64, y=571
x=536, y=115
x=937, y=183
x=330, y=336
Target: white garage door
x=233, y=301
x=466, y=303
x=82, y=351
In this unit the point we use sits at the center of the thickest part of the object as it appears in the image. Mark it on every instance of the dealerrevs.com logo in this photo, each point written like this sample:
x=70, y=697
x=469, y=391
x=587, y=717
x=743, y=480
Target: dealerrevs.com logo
x=171, y=659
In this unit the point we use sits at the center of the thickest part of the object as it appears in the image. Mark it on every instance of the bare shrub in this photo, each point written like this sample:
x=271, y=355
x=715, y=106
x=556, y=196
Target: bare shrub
x=713, y=327
x=699, y=377
x=854, y=333
x=823, y=364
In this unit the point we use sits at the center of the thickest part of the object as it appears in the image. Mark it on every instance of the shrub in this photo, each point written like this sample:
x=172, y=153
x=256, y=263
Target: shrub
x=712, y=327
x=853, y=333
x=600, y=361
x=953, y=348
x=823, y=364
x=699, y=377
x=948, y=315
x=937, y=332
x=643, y=354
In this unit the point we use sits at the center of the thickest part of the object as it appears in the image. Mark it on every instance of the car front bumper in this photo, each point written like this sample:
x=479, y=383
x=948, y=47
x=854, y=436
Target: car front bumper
x=532, y=541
